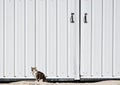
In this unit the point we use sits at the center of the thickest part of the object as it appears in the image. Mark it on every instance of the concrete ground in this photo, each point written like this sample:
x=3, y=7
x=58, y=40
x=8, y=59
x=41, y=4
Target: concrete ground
x=110, y=82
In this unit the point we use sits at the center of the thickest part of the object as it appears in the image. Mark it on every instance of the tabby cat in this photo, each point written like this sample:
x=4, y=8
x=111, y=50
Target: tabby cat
x=38, y=75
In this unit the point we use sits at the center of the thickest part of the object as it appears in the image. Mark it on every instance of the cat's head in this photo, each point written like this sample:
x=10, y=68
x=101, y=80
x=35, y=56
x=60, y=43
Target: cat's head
x=33, y=69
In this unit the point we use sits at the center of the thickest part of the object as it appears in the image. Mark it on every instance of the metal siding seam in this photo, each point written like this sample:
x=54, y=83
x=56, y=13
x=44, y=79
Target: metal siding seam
x=80, y=7
x=113, y=38
x=24, y=38
x=91, y=40
x=75, y=42
x=46, y=37
x=102, y=43
x=35, y=31
x=67, y=39
x=56, y=39
x=14, y=38
x=3, y=38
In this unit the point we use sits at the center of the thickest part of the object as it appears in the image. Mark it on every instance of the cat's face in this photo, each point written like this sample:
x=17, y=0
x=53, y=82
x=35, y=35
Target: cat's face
x=33, y=69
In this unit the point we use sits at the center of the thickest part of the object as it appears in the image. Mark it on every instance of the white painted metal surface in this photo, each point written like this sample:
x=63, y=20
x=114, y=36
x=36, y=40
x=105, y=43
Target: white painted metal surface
x=39, y=33
x=100, y=39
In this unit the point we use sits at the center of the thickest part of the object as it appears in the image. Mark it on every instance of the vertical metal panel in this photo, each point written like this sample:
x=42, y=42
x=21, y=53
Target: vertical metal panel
x=107, y=37
x=19, y=38
x=86, y=31
x=62, y=36
x=96, y=37
x=105, y=40
x=40, y=35
x=77, y=41
x=51, y=38
x=30, y=36
x=1, y=36
x=9, y=38
x=71, y=39
x=116, y=38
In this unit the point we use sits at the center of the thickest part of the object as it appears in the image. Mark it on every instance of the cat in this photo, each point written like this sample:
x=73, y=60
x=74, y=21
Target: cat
x=38, y=75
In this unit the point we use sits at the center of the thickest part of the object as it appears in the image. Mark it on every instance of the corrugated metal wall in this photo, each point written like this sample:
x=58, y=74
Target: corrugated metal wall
x=39, y=33
x=100, y=39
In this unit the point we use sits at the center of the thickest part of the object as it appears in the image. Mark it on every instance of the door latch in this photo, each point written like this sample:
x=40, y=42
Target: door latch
x=72, y=18
x=85, y=18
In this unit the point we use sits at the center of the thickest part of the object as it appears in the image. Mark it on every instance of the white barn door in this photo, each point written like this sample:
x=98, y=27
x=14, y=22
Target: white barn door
x=100, y=39
x=39, y=33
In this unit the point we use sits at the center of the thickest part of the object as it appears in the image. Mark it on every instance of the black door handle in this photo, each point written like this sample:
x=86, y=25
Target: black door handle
x=72, y=18
x=85, y=18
